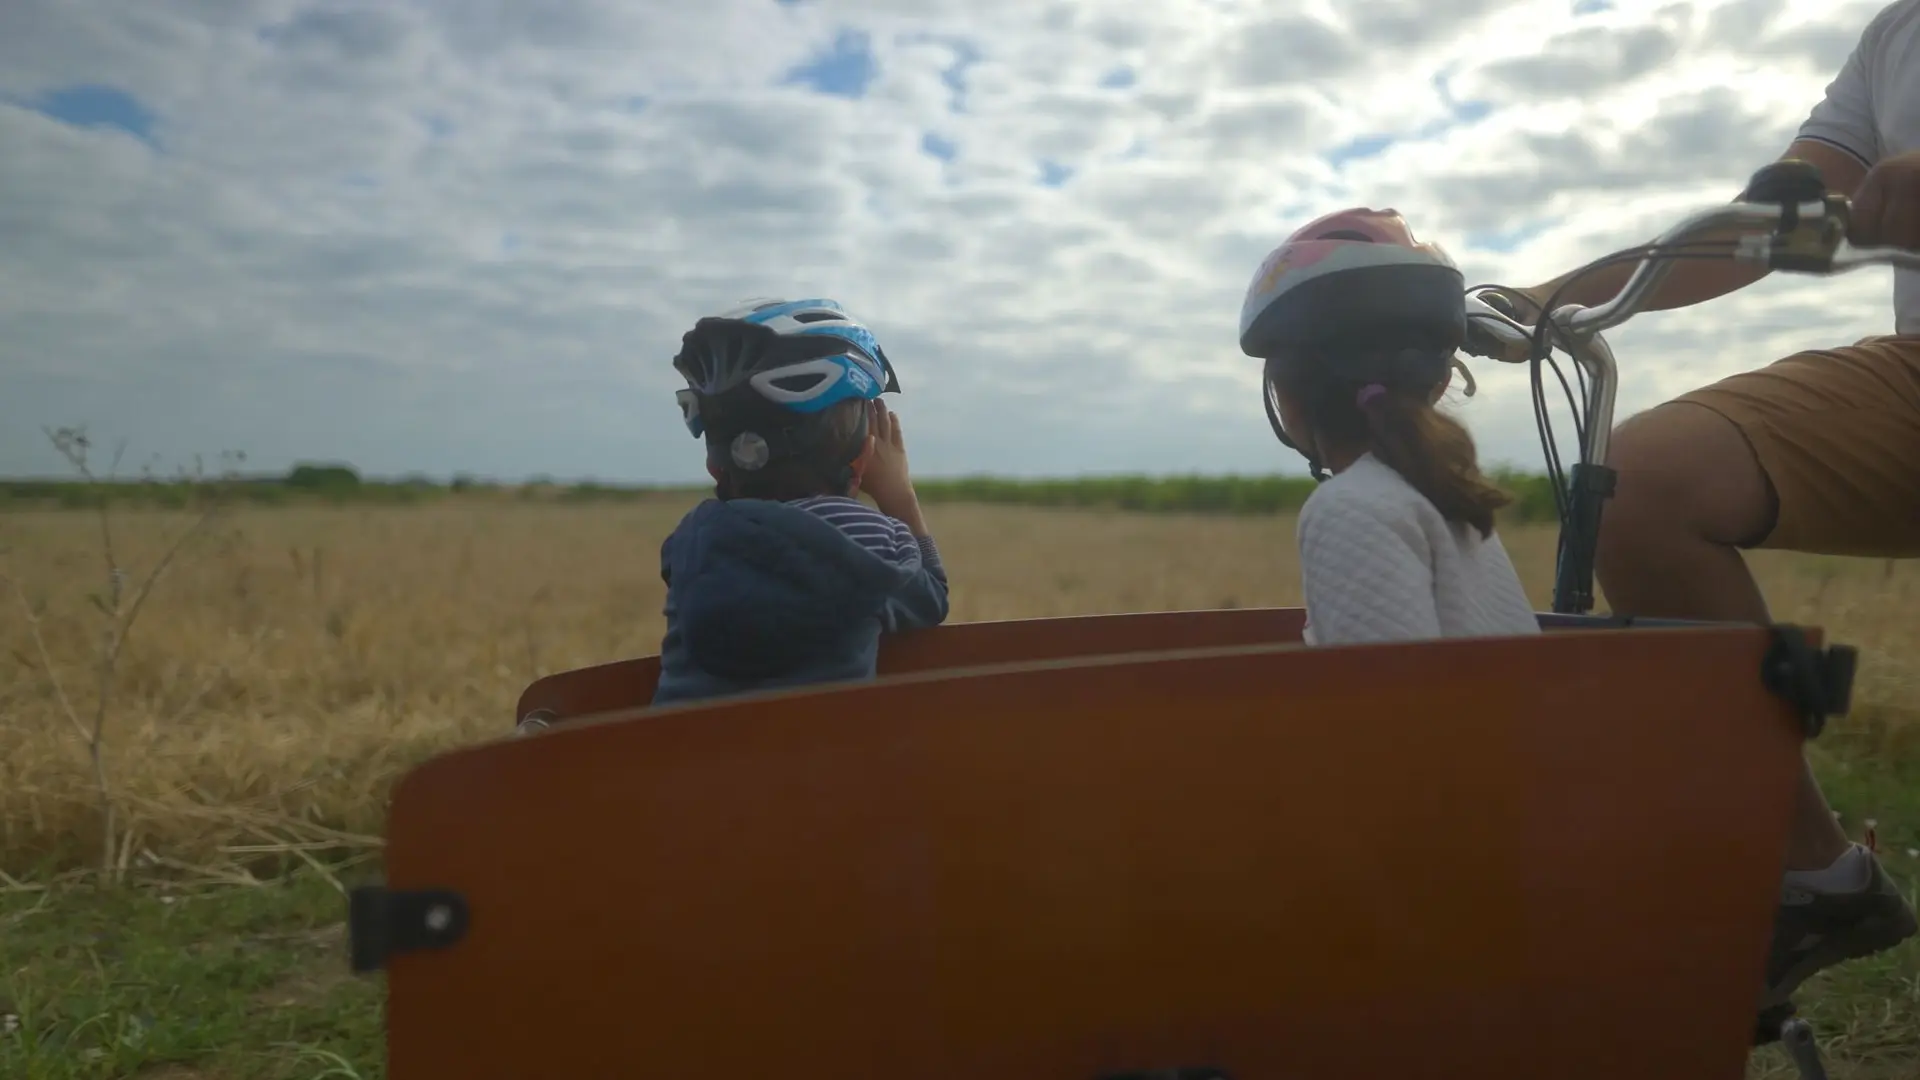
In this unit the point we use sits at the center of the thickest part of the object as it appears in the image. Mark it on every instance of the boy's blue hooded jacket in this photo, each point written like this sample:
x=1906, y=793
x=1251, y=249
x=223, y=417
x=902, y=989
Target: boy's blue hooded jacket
x=761, y=594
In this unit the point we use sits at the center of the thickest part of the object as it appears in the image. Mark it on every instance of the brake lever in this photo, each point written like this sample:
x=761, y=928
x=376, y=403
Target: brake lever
x=1818, y=245
x=1494, y=334
x=1847, y=257
x=1808, y=243
x=1494, y=298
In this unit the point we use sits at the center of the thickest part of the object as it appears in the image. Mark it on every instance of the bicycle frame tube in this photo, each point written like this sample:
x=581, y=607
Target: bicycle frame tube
x=1738, y=222
x=1590, y=483
x=1492, y=333
x=1595, y=357
x=1796, y=234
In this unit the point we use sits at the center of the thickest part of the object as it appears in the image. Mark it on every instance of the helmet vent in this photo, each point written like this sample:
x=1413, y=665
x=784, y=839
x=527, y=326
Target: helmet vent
x=815, y=316
x=1347, y=234
x=795, y=384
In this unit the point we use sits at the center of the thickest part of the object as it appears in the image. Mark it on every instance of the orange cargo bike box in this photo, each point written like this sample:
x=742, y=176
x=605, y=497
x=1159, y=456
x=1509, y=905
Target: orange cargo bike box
x=1552, y=856
x=1171, y=846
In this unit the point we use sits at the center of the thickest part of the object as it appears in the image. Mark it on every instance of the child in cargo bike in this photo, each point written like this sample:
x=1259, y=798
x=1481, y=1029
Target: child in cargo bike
x=1358, y=323
x=785, y=577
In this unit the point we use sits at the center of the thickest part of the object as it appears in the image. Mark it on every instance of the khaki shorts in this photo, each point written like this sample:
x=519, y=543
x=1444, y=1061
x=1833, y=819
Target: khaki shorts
x=1837, y=432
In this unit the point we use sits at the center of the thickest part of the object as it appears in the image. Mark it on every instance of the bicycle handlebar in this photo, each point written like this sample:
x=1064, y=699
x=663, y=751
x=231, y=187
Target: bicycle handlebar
x=1785, y=220
x=1799, y=237
x=1801, y=229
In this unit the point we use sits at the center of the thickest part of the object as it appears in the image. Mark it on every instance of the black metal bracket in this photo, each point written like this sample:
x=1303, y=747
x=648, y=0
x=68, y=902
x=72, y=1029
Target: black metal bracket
x=383, y=922
x=1818, y=683
x=1801, y=1047
x=1587, y=491
x=535, y=721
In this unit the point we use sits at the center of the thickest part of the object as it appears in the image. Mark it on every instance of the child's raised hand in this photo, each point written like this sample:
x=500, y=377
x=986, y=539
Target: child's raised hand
x=887, y=471
x=887, y=478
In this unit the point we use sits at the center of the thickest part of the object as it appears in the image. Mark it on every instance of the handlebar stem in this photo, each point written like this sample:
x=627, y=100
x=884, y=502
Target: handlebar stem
x=1596, y=357
x=1648, y=275
x=1799, y=233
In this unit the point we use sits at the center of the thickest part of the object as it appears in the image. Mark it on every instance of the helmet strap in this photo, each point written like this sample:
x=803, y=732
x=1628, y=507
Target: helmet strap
x=1314, y=468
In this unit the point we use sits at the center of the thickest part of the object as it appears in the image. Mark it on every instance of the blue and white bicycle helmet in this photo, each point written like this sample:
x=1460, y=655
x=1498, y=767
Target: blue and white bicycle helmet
x=757, y=374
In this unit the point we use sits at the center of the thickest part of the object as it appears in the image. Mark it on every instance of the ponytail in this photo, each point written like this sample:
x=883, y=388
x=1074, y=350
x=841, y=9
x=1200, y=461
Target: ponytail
x=1392, y=415
x=1436, y=455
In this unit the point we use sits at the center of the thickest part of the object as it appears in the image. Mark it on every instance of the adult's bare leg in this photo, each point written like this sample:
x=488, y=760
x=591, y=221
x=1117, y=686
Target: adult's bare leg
x=1691, y=491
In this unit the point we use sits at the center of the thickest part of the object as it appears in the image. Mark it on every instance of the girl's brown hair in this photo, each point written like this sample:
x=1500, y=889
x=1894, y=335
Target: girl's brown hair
x=1398, y=423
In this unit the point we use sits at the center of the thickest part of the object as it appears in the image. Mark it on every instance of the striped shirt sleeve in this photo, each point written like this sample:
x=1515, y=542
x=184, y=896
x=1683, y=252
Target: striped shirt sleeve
x=920, y=602
x=887, y=537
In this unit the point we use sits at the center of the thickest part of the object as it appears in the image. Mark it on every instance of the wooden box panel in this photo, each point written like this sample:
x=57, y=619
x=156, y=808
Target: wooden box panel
x=1552, y=856
x=626, y=684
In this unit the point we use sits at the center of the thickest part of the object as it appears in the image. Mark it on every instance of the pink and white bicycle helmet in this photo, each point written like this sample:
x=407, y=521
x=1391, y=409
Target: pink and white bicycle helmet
x=1356, y=275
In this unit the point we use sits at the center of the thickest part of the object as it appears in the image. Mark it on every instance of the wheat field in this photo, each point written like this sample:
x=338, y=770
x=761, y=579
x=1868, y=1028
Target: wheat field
x=290, y=663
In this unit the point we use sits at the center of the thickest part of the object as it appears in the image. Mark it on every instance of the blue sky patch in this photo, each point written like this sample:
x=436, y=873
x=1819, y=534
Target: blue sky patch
x=91, y=105
x=1118, y=79
x=1373, y=144
x=1504, y=241
x=1053, y=174
x=955, y=75
x=845, y=69
x=1591, y=7
x=1471, y=112
x=934, y=145
x=1365, y=146
x=1465, y=112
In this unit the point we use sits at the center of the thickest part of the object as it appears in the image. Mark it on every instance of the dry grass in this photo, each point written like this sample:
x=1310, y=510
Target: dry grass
x=292, y=662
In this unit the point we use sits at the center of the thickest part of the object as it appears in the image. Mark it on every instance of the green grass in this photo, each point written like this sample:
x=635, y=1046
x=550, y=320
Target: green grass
x=227, y=982
x=1867, y=1013
x=1533, y=495
x=238, y=982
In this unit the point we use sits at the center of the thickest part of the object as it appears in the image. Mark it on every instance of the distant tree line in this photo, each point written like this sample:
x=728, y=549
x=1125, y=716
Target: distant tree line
x=335, y=482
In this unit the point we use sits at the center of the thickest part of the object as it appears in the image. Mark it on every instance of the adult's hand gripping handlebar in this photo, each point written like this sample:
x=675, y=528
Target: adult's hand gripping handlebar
x=1785, y=220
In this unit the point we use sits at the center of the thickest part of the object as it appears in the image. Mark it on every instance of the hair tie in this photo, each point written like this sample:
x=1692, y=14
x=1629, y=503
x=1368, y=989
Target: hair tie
x=1369, y=394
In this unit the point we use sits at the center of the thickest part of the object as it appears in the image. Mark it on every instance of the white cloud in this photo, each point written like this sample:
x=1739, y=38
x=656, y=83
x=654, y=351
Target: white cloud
x=448, y=236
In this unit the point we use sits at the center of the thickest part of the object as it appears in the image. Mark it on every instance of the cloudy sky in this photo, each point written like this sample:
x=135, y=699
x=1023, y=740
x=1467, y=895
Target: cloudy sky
x=466, y=235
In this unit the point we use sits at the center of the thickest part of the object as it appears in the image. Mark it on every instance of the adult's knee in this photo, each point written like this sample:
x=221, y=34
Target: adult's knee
x=1683, y=474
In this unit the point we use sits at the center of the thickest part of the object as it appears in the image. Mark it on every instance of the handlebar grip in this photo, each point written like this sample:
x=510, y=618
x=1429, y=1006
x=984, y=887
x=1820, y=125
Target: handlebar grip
x=1800, y=244
x=1491, y=333
x=1788, y=182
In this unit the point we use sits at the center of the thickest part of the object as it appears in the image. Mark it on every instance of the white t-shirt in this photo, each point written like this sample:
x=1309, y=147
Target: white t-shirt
x=1379, y=563
x=1872, y=111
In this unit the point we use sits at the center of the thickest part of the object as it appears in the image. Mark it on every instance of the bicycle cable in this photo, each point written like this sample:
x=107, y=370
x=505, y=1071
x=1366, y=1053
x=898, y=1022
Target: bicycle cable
x=1542, y=351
